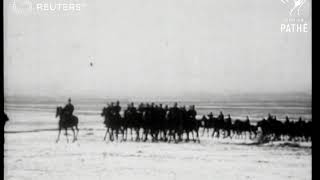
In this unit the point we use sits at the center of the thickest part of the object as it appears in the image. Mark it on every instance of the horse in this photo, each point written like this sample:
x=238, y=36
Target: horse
x=272, y=128
x=191, y=124
x=173, y=123
x=204, y=123
x=112, y=122
x=147, y=123
x=66, y=122
x=217, y=124
x=132, y=120
x=5, y=118
x=240, y=128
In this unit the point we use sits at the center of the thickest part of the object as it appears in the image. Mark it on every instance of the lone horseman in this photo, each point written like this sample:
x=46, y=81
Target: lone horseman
x=67, y=120
x=68, y=109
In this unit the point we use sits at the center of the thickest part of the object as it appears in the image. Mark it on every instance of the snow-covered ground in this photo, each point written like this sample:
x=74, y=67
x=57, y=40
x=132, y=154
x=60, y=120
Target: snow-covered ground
x=35, y=155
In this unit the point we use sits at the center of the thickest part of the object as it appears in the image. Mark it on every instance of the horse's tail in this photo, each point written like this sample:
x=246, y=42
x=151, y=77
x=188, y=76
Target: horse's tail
x=76, y=120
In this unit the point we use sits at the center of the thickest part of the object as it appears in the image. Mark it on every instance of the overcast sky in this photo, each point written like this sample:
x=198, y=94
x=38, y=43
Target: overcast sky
x=155, y=48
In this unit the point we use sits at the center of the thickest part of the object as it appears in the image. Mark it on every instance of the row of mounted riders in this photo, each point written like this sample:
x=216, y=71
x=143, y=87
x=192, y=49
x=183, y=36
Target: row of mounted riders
x=177, y=123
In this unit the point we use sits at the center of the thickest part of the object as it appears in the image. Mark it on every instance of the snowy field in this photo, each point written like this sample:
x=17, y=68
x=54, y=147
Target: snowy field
x=31, y=153
x=35, y=155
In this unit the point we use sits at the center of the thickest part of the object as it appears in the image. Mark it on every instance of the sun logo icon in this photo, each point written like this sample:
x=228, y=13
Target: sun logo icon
x=294, y=6
x=22, y=6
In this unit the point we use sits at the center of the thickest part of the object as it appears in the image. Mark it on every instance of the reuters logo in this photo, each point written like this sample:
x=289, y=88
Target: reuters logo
x=22, y=6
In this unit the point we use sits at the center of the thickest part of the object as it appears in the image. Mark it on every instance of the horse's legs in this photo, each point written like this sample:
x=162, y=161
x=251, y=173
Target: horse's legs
x=74, y=134
x=146, y=131
x=66, y=129
x=213, y=131
x=226, y=133
x=117, y=134
x=125, y=130
x=197, y=133
x=137, y=134
x=111, y=134
x=169, y=134
x=58, y=135
x=152, y=133
x=158, y=133
x=187, y=132
x=174, y=136
x=105, y=136
x=165, y=134
x=77, y=132
x=192, y=136
x=131, y=129
x=124, y=133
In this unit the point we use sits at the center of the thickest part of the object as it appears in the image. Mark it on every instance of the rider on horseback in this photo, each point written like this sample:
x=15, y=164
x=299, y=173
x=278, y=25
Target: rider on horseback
x=228, y=121
x=192, y=113
x=221, y=116
x=68, y=109
x=116, y=111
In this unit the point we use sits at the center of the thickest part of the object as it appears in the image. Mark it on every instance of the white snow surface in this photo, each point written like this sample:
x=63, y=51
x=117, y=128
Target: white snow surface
x=36, y=155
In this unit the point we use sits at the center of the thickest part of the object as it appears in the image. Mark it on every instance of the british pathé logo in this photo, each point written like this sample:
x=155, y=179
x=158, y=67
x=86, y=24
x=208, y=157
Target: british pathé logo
x=294, y=6
x=296, y=21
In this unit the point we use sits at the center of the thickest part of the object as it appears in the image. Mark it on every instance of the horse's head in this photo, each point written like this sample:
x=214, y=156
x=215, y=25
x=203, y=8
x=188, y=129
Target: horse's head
x=58, y=111
x=103, y=111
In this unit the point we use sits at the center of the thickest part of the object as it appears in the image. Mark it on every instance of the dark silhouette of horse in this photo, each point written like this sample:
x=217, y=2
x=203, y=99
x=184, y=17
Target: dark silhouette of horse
x=65, y=122
x=4, y=120
x=204, y=123
x=243, y=128
x=132, y=120
x=176, y=124
x=300, y=130
x=227, y=126
x=217, y=125
x=191, y=124
x=163, y=122
x=112, y=122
